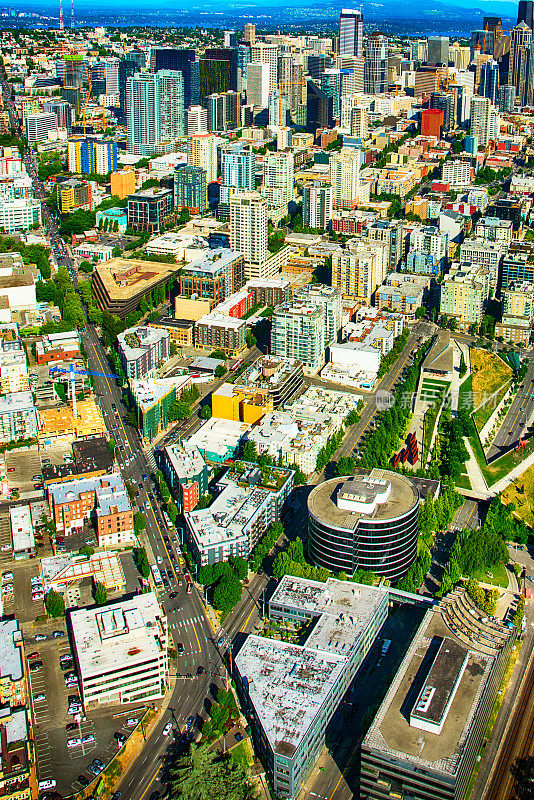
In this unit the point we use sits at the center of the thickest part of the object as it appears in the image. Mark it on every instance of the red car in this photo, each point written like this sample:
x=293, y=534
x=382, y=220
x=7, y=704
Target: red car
x=33, y=655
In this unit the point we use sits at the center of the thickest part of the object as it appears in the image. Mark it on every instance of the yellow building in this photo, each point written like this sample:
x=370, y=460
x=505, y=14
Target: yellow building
x=358, y=271
x=59, y=424
x=73, y=195
x=241, y=404
x=123, y=182
x=180, y=330
x=188, y=308
x=419, y=207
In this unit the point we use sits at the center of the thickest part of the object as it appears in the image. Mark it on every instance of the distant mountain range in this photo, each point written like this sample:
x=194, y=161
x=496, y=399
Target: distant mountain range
x=438, y=16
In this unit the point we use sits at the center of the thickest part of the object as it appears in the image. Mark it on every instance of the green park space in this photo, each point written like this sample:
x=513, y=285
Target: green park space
x=521, y=494
x=497, y=575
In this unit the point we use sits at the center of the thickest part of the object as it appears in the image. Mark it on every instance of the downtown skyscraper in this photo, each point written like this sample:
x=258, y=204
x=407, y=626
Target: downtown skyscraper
x=351, y=32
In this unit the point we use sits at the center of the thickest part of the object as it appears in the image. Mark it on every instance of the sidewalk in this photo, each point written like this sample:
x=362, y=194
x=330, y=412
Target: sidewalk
x=478, y=482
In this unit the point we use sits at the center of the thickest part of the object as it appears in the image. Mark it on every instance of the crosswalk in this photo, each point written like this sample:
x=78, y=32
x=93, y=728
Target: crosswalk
x=149, y=455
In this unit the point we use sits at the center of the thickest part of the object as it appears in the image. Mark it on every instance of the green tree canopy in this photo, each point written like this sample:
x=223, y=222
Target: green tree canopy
x=54, y=604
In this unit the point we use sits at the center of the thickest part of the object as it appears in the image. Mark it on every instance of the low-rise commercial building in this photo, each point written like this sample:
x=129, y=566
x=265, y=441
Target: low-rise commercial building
x=149, y=208
x=142, y=350
x=126, y=640
x=218, y=440
x=180, y=330
x=18, y=417
x=426, y=737
x=58, y=347
x=215, y=276
x=270, y=292
x=20, y=214
x=91, y=459
x=290, y=692
x=217, y=331
x=104, y=499
x=22, y=534
x=282, y=377
x=250, y=499
x=120, y=284
x=241, y=403
x=181, y=246
x=186, y=474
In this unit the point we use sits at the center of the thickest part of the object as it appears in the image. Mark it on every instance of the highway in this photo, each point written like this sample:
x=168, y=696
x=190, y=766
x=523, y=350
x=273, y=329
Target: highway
x=518, y=416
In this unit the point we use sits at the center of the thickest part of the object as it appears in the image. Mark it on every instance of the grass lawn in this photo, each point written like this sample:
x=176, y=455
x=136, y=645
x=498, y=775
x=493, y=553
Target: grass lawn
x=463, y=482
x=242, y=754
x=498, y=469
x=490, y=375
x=499, y=576
x=521, y=494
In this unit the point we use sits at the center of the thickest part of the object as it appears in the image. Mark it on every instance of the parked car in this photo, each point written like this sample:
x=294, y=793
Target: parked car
x=167, y=729
x=71, y=726
x=83, y=781
x=74, y=742
x=130, y=723
x=41, y=637
x=33, y=655
x=88, y=738
x=39, y=698
x=35, y=665
x=7, y=576
x=57, y=634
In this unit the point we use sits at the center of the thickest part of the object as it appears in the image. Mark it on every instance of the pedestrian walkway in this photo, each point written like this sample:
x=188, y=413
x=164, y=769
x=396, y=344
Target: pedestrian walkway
x=476, y=478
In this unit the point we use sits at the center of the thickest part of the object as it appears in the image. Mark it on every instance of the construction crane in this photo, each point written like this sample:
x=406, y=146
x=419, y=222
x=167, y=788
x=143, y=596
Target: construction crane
x=71, y=372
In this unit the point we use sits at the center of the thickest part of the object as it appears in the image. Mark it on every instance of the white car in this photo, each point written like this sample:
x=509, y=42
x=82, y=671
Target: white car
x=7, y=576
x=73, y=743
x=167, y=729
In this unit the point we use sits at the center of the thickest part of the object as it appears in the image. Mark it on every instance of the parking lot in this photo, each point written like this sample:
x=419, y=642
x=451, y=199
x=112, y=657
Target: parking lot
x=23, y=470
x=66, y=741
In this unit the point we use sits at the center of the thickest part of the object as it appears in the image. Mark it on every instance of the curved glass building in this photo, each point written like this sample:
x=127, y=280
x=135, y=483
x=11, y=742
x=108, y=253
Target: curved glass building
x=368, y=521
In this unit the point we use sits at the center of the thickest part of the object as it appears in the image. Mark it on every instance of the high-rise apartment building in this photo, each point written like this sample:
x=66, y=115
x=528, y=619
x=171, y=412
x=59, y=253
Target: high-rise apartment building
x=215, y=105
x=480, y=119
x=351, y=32
x=359, y=122
x=465, y=292
x=298, y=332
x=438, y=50
x=359, y=271
x=375, y=75
x=190, y=189
x=197, y=120
x=63, y=112
x=330, y=300
x=92, y=155
x=316, y=206
x=155, y=111
x=238, y=164
x=345, y=178
x=279, y=109
x=248, y=232
x=202, y=152
x=184, y=62
x=392, y=233
x=39, y=125
x=278, y=178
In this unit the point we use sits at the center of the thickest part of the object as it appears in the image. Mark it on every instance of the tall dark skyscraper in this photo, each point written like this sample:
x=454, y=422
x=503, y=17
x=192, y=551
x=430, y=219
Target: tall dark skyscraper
x=127, y=69
x=524, y=12
x=183, y=61
x=351, y=32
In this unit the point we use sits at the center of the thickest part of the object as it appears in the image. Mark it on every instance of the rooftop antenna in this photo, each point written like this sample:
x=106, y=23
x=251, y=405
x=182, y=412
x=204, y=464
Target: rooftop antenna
x=61, y=26
x=72, y=14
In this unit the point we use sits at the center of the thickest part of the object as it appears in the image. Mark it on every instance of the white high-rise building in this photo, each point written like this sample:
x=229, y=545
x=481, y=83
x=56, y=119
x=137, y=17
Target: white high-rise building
x=351, y=32
x=248, y=232
x=278, y=178
x=345, y=178
x=359, y=119
x=155, y=111
x=266, y=54
x=316, y=206
x=481, y=119
x=39, y=125
x=202, y=152
x=258, y=84
x=197, y=120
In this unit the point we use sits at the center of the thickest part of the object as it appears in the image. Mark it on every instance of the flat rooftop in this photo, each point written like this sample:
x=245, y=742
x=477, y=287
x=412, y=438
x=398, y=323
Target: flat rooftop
x=10, y=653
x=110, y=492
x=288, y=683
x=125, y=278
x=439, y=687
x=118, y=634
x=149, y=391
x=322, y=501
x=391, y=732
